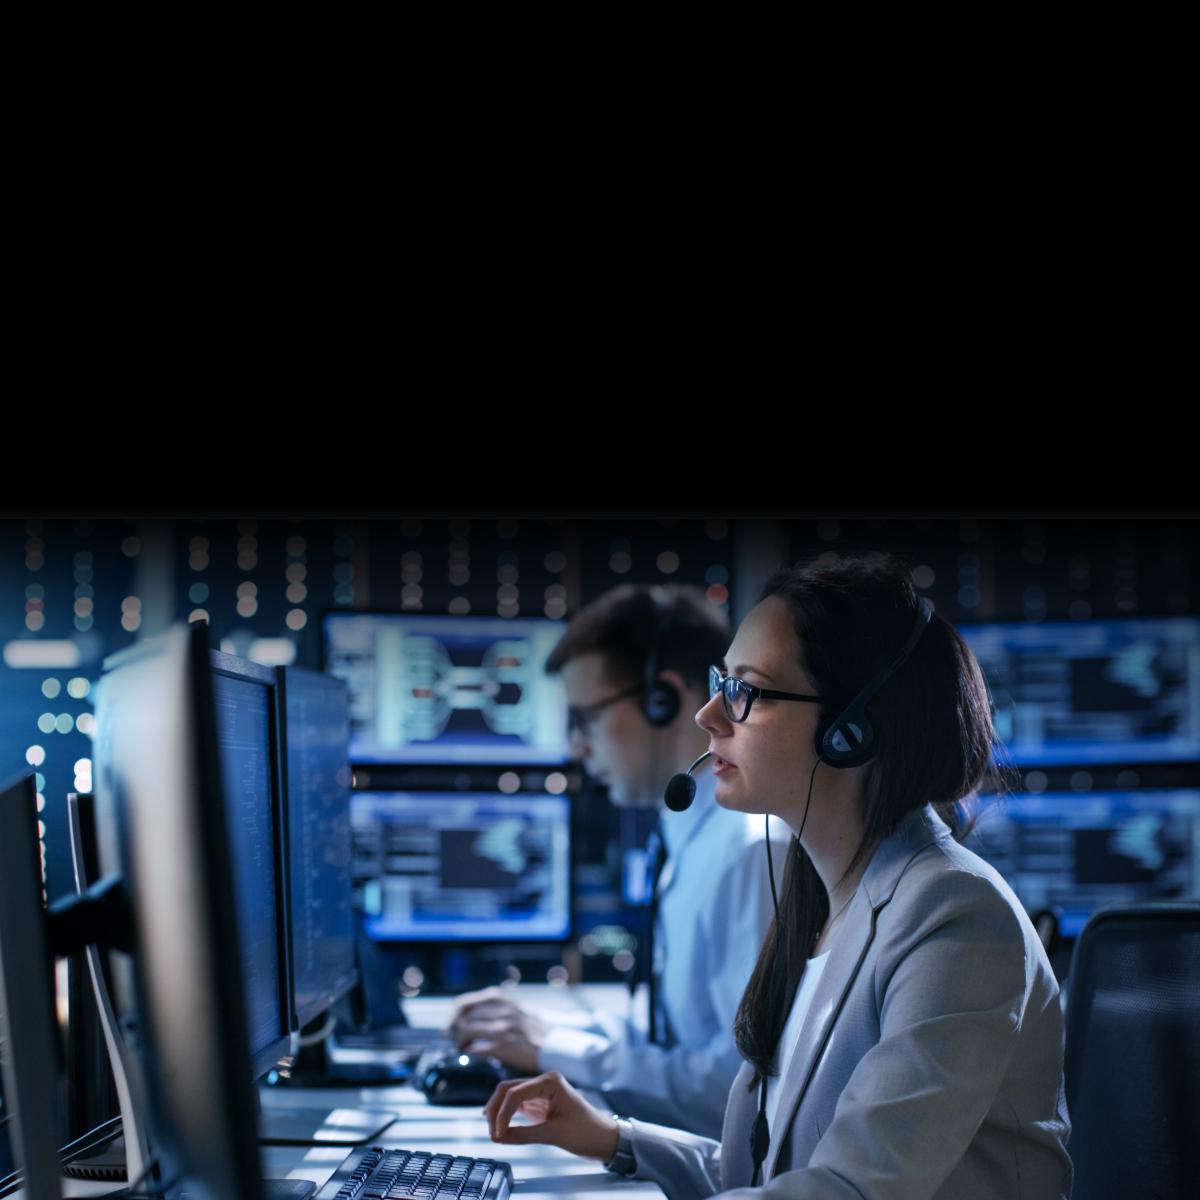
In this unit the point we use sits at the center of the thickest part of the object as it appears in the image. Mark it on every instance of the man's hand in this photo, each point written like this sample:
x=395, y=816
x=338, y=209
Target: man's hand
x=488, y=1022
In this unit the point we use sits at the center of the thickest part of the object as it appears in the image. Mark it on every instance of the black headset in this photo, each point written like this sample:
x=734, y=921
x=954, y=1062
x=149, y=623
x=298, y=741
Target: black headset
x=849, y=740
x=660, y=699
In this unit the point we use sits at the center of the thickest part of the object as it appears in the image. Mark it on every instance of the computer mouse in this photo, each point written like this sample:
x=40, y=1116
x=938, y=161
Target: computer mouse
x=459, y=1078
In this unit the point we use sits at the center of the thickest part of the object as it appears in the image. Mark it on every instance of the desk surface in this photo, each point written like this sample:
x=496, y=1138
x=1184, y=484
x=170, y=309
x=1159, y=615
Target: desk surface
x=538, y=1171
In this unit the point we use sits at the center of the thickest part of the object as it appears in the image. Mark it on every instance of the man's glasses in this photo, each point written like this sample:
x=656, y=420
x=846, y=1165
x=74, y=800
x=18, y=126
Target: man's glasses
x=582, y=718
x=739, y=695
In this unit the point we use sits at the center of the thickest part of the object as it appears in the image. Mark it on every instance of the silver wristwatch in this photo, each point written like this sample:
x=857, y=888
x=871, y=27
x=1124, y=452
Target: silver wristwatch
x=623, y=1162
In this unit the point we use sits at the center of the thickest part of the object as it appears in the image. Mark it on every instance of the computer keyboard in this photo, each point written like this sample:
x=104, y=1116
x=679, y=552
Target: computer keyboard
x=373, y=1173
x=406, y=1040
x=388, y=1037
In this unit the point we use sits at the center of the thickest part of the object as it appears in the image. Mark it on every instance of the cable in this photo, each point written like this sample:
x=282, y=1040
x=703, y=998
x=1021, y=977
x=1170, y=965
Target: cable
x=771, y=869
x=311, y=1039
x=105, y=1132
x=91, y=1140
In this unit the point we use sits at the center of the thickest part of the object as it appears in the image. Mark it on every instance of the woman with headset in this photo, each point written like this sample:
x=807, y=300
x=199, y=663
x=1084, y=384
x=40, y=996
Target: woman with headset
x=901, y=1032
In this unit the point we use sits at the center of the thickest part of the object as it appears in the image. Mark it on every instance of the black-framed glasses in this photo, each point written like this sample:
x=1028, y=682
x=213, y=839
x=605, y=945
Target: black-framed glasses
x=739, y=695
x=582, y=718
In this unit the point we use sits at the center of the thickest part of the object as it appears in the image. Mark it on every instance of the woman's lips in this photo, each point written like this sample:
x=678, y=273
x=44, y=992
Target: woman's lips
x=721, y=765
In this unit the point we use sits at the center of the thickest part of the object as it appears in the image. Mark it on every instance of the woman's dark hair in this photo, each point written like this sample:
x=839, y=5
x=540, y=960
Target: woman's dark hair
x=934, y=734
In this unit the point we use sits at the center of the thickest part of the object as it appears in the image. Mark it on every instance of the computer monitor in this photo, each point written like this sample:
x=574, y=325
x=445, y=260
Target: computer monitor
x=164, y=831
x=315, y=731
x=1075, y=852
x=250, y=742
x=248, y=745
x=31, y=1055
x=1084, y=692
x=462, y=866
x=312, y=861
x=162, y=826
x=448, y=689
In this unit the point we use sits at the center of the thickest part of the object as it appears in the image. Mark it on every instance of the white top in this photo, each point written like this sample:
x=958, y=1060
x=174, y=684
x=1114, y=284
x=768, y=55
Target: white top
x=714, y=909
x=813, y=971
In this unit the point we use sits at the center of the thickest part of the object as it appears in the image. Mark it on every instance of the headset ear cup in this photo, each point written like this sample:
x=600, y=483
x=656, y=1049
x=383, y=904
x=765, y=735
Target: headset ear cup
x=849, y=741
x=660, y=703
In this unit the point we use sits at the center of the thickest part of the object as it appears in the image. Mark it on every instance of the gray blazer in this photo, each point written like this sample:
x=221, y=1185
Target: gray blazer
x=931, y=1061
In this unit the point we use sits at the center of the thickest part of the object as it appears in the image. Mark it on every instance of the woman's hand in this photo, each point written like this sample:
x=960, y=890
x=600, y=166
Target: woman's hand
x=560, y=1116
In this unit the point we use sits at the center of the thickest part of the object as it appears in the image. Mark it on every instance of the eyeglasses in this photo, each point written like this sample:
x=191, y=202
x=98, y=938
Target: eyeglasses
x=739, y=695
x=582, y=718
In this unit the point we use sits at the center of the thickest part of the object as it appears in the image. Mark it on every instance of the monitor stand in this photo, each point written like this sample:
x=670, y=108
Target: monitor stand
x=129, y=1155
x=320, y=1126
x=108, y=1165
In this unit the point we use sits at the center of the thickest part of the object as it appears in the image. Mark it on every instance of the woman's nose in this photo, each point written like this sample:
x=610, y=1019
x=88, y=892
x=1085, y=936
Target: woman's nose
x=712, y=716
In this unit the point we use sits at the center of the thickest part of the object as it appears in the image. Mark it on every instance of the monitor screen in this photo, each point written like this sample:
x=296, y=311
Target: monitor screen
x=244, y=699
x=1080, y=851
x=444, y=689
x=317, y=792
x=1079, y=692
x=458, y=866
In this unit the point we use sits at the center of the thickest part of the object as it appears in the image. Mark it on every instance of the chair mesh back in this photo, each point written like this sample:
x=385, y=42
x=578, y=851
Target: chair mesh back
x=1133, y=1053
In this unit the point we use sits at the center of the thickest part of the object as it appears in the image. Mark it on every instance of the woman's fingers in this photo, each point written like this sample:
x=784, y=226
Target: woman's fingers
x=543, y=1087
x=489, y=1109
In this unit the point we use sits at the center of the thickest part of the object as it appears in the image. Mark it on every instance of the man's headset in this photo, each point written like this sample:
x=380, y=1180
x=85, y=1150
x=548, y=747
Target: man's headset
x=660, y=699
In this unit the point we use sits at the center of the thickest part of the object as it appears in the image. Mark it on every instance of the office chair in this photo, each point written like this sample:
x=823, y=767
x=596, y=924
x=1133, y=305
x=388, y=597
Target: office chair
x=1132, y=1069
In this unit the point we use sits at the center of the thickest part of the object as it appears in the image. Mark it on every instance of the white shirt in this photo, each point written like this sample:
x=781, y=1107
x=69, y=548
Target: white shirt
x=813, y=971
x=714, y=910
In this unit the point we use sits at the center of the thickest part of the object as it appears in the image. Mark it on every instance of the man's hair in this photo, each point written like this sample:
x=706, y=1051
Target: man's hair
x=623, y=623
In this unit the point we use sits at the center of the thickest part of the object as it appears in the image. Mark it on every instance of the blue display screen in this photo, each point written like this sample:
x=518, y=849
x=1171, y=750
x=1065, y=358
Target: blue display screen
x=318, y=792
x=1077, y=852
x=429, y=689
x=244, y=739
x=1080, y=692
x=463, y=867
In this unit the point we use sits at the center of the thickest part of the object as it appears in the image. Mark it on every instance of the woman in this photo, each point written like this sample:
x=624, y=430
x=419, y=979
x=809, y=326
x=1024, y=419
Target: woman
x=901, y=1031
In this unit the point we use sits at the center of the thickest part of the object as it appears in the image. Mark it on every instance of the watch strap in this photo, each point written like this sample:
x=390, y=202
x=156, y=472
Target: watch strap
x=623, y=1162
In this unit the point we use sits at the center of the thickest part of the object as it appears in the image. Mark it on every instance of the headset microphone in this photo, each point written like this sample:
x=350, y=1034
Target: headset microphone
x=681, y=791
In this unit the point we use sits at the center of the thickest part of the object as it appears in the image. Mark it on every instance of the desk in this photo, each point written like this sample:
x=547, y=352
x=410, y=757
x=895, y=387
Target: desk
x=538, y=1171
